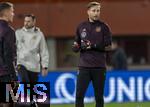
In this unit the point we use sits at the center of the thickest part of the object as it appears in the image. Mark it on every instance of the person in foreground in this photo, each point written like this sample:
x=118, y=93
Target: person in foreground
x=93, y=40
x=7, y=48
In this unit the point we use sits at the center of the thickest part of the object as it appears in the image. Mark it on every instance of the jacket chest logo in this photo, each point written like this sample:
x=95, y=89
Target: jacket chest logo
x=22, y=40
x=98, y=29
x=83, y=33
x=34, y=37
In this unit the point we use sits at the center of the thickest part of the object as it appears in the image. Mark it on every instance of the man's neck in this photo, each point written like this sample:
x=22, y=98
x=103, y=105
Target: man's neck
x=90, y=20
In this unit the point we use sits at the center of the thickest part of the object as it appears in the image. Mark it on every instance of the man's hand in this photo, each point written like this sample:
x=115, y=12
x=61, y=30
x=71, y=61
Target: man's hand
x=75, y=47
x=85, y=44
x=108, y=48
x=44, y=71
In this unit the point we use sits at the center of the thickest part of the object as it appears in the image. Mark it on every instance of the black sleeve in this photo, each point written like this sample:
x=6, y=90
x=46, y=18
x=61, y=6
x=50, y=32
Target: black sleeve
x=9, y=50
x=76, y=48
x=107, y=36
x=1, y=51
x=14, y=47
x=77, y=37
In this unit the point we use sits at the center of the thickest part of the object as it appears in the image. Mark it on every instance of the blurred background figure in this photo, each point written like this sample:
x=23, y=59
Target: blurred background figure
x=119, y=58
x=32, y=52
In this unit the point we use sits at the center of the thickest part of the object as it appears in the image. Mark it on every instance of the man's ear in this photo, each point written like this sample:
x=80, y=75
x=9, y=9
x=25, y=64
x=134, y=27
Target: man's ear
x=34, y=21
x=88, y=12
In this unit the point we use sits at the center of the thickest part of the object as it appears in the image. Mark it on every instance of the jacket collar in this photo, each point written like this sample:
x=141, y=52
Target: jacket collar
x=4, y=22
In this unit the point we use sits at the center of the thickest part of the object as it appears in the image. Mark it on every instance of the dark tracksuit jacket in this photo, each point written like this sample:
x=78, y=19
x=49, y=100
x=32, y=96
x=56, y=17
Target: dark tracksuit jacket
x=98, y=33
x=7, y=49
x=92, y=63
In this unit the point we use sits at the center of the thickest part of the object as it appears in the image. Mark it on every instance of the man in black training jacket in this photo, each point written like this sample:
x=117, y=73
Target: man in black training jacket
x=7, y=45
x=93, y=41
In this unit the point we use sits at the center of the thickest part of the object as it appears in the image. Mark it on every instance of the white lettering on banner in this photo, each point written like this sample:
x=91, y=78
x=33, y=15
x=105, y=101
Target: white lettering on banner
x=123, y=88
x=111, y=91
x=119, y=89
x=134, y=89
x=147, y=89
x=61, y=89
x=140, y=89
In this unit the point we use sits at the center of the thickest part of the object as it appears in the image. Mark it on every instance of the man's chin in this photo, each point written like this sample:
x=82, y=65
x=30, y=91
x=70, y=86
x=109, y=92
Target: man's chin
x=27, y=27
x=96, y=19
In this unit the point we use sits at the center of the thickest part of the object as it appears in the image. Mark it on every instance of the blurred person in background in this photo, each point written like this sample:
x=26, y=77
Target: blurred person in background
x=32, y=51
x=93, y=41
x=119, y=58
x=7, y=46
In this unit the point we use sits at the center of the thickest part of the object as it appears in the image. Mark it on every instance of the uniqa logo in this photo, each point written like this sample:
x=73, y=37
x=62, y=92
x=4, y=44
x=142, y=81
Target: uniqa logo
x=61, y=89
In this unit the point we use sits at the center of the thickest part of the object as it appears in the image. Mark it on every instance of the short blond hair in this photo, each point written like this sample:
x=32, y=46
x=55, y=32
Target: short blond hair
x=93, y=3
